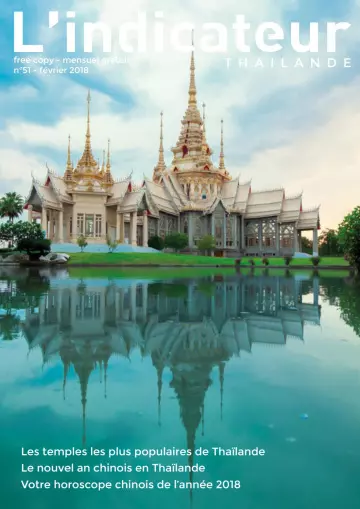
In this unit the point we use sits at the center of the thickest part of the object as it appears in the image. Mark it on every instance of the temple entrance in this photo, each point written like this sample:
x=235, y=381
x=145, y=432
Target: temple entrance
x=219, y=254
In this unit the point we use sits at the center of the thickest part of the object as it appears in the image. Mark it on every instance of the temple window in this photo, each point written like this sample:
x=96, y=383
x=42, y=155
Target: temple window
x=229, y=230
x=287, y=235
x=269, y=233
x=162, y=225
x=252, y=234
x=80, y=224
x=71, y=225
x=98, y=219
x=188, y=190
x=185, y=150
x=203, y=196
x=89, y=225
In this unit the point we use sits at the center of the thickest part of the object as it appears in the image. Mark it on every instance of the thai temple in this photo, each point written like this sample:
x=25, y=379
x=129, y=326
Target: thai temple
x=192, y=195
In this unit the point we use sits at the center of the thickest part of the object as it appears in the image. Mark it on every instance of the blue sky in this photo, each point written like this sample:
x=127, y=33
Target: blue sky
x=296, y=128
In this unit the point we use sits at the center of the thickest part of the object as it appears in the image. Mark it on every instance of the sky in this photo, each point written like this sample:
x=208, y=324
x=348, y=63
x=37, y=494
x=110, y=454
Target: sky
x=296, y=128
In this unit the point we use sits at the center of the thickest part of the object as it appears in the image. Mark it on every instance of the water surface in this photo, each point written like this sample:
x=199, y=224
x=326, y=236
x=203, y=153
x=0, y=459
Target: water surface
x=239, y=360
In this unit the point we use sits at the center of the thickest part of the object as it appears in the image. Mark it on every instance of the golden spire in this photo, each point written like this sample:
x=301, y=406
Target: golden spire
x=103, y=162
x=192, y=85
x=108, y=165
x=161, y=163
x=69, y=165
x=222, y=161
x=87, y=159
x=204, y=144
x=108, y=177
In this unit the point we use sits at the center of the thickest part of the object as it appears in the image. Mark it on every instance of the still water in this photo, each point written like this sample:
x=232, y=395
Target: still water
x=224, y=361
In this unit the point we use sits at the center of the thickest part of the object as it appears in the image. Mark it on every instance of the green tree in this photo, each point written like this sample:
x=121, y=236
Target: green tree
x=156, y=242
x=329, y=243
x=176, y=241
x=111, y=244
x=349, y=237
x=14, y=232
x=82, y=242
x=11, y=206
x=206, y=243
x=306, y=245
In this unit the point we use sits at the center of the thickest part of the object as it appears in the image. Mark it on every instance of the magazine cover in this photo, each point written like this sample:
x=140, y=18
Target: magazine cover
x=179, y=254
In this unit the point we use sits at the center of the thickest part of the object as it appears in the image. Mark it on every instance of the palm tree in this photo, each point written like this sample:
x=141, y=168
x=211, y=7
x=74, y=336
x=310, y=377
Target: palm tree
x=11, y=206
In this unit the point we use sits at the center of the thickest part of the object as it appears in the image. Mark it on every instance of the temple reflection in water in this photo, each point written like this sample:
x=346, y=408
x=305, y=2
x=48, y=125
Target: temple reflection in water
x=191, y=328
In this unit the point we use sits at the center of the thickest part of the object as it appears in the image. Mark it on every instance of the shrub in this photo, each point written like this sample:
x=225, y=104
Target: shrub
x=349, y=237
x=176, y=241
x=35, y=247
x=315, y=260
x=265, y=261
x=206, y=243
x=252, y=262
x=82, y=242
x=238, y=262
x=156, y=242
x=288, y=260
x=112, y=244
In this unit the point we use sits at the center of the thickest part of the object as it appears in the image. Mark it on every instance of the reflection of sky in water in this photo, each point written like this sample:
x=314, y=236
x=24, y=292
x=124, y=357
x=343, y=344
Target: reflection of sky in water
x=233, y=362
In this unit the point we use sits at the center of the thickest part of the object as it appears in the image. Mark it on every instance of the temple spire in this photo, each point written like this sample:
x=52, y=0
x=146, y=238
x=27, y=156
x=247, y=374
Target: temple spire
x=108, y=176
x=69, y=165
x=103, y=162
x=205, y=147
x=161, y=162
x=192, y=85
x=161, y=166
x=108, y=165
x=87, y=159
x=222, y=159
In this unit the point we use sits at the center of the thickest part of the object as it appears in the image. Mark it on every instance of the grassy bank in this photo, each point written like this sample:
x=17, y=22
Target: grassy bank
x=156, y=273
x=168, y=260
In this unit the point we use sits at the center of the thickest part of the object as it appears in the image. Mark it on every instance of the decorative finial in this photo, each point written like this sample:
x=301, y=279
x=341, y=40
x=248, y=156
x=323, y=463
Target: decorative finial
x=192, y=38
x=222, y=160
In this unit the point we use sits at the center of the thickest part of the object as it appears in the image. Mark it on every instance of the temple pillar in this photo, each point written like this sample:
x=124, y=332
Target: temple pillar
x=133, y=303
x=315, y=242
x=224, y=231
x=144, y=305
x=30, y=213
x=242, y=243
x=299, y=242
x=316, y=291
x=212, y=230
x=44, y=221
x=145, y=230
x=133, y=228
x=60, y=235
x=190, y=230
x=296, y=242
x=277, y=238
x=120, y=228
